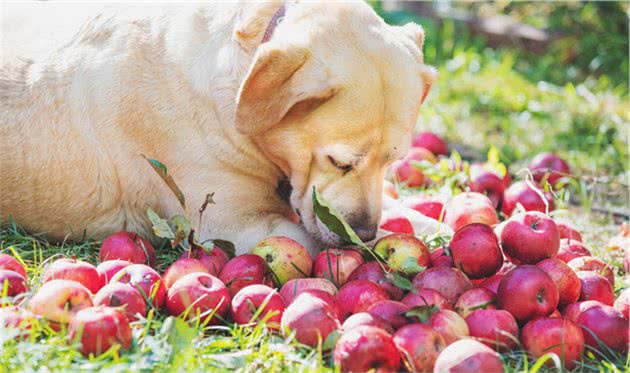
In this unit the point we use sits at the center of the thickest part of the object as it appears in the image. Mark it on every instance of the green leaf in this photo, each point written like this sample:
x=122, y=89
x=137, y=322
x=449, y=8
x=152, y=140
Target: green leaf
x=180, y=334
x=162, y=171
x=422, y=313
x=160, y=226
x=331, y=340
x=411, y=267
x=401, y=282
x=227, y=247
x=182, y=229
x=333, y=221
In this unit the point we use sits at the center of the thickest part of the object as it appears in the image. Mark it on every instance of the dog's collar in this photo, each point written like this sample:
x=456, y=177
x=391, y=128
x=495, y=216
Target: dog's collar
x=277, y=18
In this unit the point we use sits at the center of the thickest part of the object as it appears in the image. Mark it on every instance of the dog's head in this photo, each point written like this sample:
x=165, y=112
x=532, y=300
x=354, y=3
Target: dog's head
x=332, y=100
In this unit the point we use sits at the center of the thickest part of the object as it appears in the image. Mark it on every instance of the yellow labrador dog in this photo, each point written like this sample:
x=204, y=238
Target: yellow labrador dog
x=233, y=98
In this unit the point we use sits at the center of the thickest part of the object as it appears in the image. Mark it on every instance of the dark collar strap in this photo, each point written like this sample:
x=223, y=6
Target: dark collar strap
x=275, y=21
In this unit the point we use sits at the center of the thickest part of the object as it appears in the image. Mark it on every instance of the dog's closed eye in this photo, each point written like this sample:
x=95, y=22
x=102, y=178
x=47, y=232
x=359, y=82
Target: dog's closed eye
x=345, y=167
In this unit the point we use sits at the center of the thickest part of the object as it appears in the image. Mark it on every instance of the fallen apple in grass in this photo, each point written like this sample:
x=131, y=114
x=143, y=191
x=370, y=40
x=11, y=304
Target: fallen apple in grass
x=128, y=246
x=571, y=249
x=336, y=265
x=365, y=319
x=372, y=271
x=530, y=237
x=180, y=268
x=426, y=297
x=10, y=263
x=199, y=295
x=568, y=231
x=492, y=283
x=475, y=251
x=358, y=295
x=214, y=259
x=554, y=335
x=255, y=303
x=440, y=258
x=431, y=206
x=496, y=328
x=74, y=270
x=487, y=182
x=393, y=312
x=468, y=356
x=591, y=263
x=527, y=292
x=12, y=283
x=311, y=319
x=475, y=299
x=450, y=282
x=432, y=142
x=529, y=195
x=98, y=329
x=406, y=171
x=146, y=280
x=420, y=345
x=622, y=303
x=451, y=326
x=403, y=253
x=595, y=287
x=59, y=300
x=295, y=287
x=124, y=296
x=566, y=281
x=108, y=269
x=366, y=347
x=18, y=318
x=287, y=259
x=244, y=270
x=392, y=221
x=602, y=323
x=550, y=167
x=467, y=208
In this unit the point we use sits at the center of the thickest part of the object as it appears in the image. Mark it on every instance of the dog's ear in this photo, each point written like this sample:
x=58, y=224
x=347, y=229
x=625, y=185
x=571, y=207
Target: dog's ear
x=428, y=75
x=274, y=85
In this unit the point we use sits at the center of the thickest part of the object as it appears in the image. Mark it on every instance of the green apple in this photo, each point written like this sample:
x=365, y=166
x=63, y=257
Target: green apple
x=403, y=253
x=286, y=258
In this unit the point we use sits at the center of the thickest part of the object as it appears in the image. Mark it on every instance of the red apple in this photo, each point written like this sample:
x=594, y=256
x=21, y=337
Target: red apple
x=365, y=319
x=336, y=264
x=145, y=279
x=199, y=295
x=467, y=208
x=311, y=319
x=573, y=310
x=18, y=318
x=475, y=299
x=214, y=260
x=450, y=325
x=528, y=196
x=366, y=347
x=247, y=269
x=10, y=263
x=419, y=345
x=492, y=282
x=393, y=221
x=329, y=299
x=566, y=281
x=569, y=232
x=124, y=296
x=487, y=182
x=476, y=251
x=595, y=287
x=591, y=263
x=554, y=335
x=372, y=271
x=109, y=268
x=74, y=270
x=527, y=292
x=181, y=268
x=432, y=142
x=128, y=246
x=571, y=249
x=397, y=249
x=496, y=328
x=550, y=167
x=530, y=237
x=14, y=282
x=426, y=297
x=98, y=329
x=468, y=356
x=405, y=170
x=607, y=324
x=449, y=282
x=440, y=258
x=287, y=259
x=295, y=287
x=430, y=206
x=622, y=303
x=59, y=300
x=257, y=300
x=393, y=312
x=358, y=295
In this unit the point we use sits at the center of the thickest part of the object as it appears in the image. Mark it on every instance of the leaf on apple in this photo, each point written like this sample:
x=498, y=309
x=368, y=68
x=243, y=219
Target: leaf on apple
x=228, y=247
x=162, y=171
x=401, y=282
x=331, y=340
x=182, y=229
x=411, y=267
x=422, y=313
x=160, y=226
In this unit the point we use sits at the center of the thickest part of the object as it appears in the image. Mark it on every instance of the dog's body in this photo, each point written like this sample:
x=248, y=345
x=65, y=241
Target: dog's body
x=189, y=86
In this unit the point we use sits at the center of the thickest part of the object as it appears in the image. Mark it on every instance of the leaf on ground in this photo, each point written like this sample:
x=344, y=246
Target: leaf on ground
x=160, y=226
x=162, y=171
x=182, y=229
x=180, y=334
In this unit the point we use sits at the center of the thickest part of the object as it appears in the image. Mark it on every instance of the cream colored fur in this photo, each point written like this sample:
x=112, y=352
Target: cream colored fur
x=85, y=90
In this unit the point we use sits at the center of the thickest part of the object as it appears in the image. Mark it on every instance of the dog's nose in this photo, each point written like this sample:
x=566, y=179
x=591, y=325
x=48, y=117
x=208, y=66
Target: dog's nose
x=366, y=233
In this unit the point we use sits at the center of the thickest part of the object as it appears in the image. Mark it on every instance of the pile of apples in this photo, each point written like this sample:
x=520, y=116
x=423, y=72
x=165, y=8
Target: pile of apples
x=525, y=283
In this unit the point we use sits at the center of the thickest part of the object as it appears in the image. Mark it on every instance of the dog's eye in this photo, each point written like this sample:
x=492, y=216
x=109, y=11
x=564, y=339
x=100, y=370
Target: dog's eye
x=343, y=167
